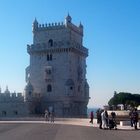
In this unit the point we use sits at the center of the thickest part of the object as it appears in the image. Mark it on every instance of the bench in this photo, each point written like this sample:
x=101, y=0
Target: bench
x=127, y=123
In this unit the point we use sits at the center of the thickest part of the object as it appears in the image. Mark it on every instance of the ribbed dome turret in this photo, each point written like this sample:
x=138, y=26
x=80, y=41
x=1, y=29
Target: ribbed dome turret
x=29, y=87
x=68, y=18
x=7, y=90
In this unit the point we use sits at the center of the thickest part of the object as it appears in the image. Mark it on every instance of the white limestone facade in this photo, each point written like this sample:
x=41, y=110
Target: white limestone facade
x=56, y=75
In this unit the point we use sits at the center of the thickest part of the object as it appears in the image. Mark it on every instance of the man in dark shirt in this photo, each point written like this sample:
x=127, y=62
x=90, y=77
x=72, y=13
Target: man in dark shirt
x=135, y=118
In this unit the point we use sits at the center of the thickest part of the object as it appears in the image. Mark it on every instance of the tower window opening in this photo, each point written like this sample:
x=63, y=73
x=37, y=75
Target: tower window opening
x=4, y=113
x=16, y=112
x=49, y=88
x=30, y=93
x=48, y=71
x=49, y=57
x=50, y=42
x=71, y=88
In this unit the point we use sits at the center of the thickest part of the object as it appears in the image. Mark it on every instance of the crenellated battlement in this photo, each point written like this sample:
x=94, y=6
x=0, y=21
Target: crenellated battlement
x=48, y=26
x=7, y=96
x=58, y=25
x=11, y=97
x=75, y=28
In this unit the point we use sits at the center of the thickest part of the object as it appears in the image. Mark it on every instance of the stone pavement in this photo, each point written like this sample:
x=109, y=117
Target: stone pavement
x=65, y=121
x=62, y=129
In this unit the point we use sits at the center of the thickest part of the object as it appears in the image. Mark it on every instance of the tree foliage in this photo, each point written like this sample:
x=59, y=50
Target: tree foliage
x=125, y=98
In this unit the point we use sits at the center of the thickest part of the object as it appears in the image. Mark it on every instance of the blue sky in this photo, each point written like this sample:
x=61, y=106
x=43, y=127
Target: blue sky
x=111, y=33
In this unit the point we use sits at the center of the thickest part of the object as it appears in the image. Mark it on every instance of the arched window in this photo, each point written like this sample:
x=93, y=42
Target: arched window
x=15, y=112
x=50, y=42
x=49, y=88
x=71, y=88
x=49, y=57
x=4, y=113
x=30, y=93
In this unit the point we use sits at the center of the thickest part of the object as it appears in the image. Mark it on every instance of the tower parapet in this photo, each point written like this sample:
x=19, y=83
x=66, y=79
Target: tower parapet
x=11, y=97
x=28, y=91
x=58, y=25
x=59, y=47
x=68, y=19
x=69, y=24
x=47, y=26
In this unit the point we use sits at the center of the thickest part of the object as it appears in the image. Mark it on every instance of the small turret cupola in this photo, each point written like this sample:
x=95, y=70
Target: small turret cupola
x=86, y=89
x=7, y=90
x=68, y=19
x=29, y=86
x=80, y=25
x=28, y=91
x=35, y=24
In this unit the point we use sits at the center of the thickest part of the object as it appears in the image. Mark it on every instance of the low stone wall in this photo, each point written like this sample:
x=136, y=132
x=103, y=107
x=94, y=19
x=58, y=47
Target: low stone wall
x=121, y=115
x=127, y=123
x=42, y=119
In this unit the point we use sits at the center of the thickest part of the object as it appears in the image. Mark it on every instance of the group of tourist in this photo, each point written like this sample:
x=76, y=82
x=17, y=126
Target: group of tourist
x=49, y=115
x=105, y=121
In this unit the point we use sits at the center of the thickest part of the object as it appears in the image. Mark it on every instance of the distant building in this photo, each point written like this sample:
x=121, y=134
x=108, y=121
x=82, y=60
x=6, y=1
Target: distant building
x=57, y=70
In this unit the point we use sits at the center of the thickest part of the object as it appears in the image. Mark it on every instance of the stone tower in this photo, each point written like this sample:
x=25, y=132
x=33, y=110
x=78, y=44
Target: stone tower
x=57, y=69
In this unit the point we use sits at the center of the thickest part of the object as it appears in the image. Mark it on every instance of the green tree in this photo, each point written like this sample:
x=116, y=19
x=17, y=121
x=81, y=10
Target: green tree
x=127, y=99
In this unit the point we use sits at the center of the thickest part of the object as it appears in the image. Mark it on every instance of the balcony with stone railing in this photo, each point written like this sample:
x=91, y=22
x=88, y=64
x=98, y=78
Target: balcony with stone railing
x=56, y=98
x=57, y=47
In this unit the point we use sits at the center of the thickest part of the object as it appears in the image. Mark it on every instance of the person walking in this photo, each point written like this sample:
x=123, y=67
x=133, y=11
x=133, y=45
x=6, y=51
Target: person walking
x=46, y=115
x=100, y=118
x=91, y=117
x=131, y=117
x=113, y=120
x=135, y=118
x=104, y=118
x=52, y=116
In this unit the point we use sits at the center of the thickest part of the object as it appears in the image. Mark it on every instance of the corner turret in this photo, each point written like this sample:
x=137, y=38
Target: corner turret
x=80, y=25
x=7, y=90
x=28, y=91
x=68, y=19
x=35, y=25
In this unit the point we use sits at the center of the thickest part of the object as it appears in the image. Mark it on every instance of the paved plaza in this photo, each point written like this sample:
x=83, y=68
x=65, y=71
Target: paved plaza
x=63, y=129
